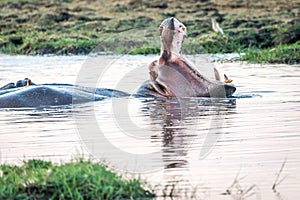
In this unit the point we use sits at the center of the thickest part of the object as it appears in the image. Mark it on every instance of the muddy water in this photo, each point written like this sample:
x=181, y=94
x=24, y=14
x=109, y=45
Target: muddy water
x=203, y=143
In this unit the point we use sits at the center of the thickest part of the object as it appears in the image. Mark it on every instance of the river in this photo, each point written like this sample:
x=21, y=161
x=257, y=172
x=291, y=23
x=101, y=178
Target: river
x=223, y=148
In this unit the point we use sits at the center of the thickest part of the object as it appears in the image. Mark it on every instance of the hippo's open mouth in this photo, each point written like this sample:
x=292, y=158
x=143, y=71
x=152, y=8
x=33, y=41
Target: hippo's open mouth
x=174, y=75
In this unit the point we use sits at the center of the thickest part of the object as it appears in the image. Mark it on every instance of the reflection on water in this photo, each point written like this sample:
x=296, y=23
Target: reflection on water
x=186, y=121
x=209, y=143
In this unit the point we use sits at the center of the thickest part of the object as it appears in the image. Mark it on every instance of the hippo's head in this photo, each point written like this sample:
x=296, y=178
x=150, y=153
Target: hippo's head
x=172, y=34
x=174, y=75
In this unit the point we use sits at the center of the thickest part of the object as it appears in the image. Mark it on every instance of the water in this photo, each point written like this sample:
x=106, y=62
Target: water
x=207, y=143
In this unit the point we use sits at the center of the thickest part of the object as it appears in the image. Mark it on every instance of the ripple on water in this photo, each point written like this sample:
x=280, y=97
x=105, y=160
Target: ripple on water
x=205, y=142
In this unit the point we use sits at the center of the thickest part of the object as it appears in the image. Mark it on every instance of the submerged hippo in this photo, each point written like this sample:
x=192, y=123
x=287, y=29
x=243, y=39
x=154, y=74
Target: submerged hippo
x=22, y=94
x=174, y=75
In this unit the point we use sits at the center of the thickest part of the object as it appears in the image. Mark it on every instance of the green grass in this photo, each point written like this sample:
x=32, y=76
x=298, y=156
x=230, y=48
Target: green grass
x=37, y=179
x=289, y=54
x=55, y=27
x=138, y=42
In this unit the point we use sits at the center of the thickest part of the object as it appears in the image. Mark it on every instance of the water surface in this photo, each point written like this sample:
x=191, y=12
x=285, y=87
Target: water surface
x=207, y=143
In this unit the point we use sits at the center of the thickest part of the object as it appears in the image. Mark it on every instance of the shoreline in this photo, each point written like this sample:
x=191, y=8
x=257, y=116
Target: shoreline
x=267, y=32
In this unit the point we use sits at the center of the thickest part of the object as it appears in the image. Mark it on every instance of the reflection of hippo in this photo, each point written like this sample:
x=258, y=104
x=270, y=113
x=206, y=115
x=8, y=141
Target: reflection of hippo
x=172, y=75
x=185, y=122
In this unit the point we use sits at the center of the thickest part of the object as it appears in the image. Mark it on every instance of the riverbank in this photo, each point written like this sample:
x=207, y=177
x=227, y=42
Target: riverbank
x=37, y=179
x=266, y=31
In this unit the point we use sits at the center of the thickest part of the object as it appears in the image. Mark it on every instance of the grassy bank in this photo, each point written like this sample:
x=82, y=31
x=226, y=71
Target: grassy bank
x=130, y=26
x=288, y=54
x=37, y=179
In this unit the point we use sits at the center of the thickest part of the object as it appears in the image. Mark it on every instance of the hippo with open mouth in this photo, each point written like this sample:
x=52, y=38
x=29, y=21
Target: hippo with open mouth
x=172, y=75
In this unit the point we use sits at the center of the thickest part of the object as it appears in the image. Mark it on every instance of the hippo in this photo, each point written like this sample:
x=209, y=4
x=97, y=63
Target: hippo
x=22, y=94
x=172, y=75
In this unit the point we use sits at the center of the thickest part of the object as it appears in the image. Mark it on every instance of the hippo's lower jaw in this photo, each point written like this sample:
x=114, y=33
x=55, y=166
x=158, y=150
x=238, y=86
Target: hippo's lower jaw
x=153, y=88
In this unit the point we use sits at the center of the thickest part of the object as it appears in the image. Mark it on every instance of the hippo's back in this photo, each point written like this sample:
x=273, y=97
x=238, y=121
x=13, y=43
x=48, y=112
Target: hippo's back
x=51, y=95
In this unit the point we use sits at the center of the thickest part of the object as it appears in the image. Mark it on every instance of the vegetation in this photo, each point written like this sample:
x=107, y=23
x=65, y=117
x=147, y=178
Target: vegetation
x=281, y=54
x=130, y=26
x=37, y=179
